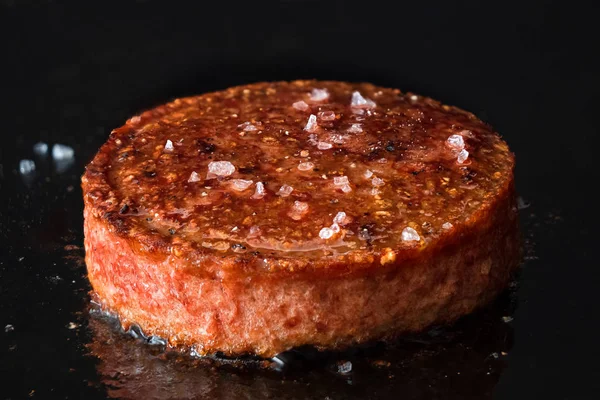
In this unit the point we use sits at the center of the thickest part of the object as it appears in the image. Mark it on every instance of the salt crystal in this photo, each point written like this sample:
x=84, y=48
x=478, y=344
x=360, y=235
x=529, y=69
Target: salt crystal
x=194, y=177
x=300, y=105
x=326, y=233
x=377, y=182
x=338, y=139
x=345, y=367
x=259, y=193
x=168, y=146
x=456, y=142
x=219, y=168
x=414, y=98
x=355, y=128
x=254, y=231
x=26, y=167
x=358, y=101
x=462, y=156
x=298, y=210
x=324, y=145
x=341, y=218
x=311, y=125
x=240, y=185
x=248, y=127
x=306, y=166
x=40, y=149
x=62, y=152
x=285, y=190
x=375, y=192
x=346, y=188
x=368, y=173
x=410, y=235
x=326, y=115
x=335, y=227
x=447, y=225
x=319, y=95
x=340, y=180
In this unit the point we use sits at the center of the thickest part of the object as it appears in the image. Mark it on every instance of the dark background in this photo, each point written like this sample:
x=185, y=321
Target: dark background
x=71, y=71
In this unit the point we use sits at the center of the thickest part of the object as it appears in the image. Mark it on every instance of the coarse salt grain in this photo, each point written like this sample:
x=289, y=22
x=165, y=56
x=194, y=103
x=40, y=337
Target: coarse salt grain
x=298, y=210
x=377, y=182
x=355, y=128
x=462, y=156
x=306, y=166
x=26, y=167
x=249, y=127
x=259, y=193
x=194, y=177
x=219, y=168
x=410, y=235
x=319, y=95
x=326, y=115
x=447, y=225
x=311, y=125
x=368, y=173
x=285, y=190
x=62, y=152
x=40, y=149
x=358, y=101
x=324, y=145
x=326, y=233
x=300, y=105
x=240, y=185
x=169, y=146
x=456, y=142
x=340, y=218
x=340, y=180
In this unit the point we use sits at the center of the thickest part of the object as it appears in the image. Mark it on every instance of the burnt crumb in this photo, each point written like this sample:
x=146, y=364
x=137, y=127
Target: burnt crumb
x=148, y=219
x=334, y=201
x=238, y=246
x=172, y=231
x=365, y=233
x=204, y=147
x=150, y=174
x=390, y=146
x=124, y=209
x=256, y=253
x=247, y=170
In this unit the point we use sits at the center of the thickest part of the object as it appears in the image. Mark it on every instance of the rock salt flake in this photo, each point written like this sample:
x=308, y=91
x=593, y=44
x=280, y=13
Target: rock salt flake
x=306, y=166
x=368, y=173
x=355, y=128
x=340, y=218
x=346, y=188
x=219, y=168
x=324, y=146
x=358, y=101
x=447, y=225
x=319, y=95
x=40, y=149
x=285, y=190
x=259, y=192
x=377, y=182
x=326, y=233
x=300, y=105
x=169, y=146
x=311, y=125
x=340, y=180
x=26, y=167
x=462, y=156
x=240, y=185
x=61, y=152
x=456, y=142
x=410, y=235
x=249, y=127
x=326, y=115
x=194, y=177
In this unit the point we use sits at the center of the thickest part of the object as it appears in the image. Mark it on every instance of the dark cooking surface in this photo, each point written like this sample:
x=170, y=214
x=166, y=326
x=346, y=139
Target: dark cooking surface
x=71, y=75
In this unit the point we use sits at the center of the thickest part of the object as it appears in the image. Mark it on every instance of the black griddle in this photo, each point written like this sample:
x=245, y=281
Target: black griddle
x=73, y=71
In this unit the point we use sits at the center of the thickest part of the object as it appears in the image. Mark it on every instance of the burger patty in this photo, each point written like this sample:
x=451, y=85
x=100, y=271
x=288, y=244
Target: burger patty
x=274, y=215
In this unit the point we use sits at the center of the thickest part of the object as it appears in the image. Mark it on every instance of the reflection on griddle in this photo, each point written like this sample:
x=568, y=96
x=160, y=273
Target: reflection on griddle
x=464, y=360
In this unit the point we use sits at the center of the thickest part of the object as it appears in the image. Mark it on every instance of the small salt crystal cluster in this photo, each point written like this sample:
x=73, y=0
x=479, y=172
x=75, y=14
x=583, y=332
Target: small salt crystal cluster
x=194, y=177
x=40, y=149
x=319, y=95
x=298, y=210
x=239, y=185
x=249, y=127
x=259, y=191
x=410, y=235
x=300, y=105
x=26, y=167
x=355, y=128
x=324, y=146
x=457, y=144
x=311, y=125
x=219, y=169
x=342, y=183
x=285, y=190
x=340, y=219
x=358, y=101
x=326, y=115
